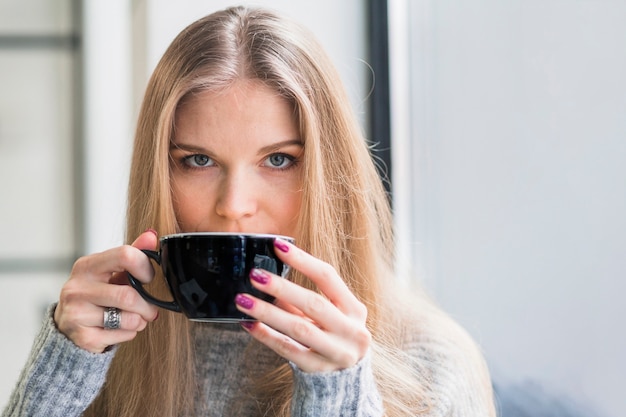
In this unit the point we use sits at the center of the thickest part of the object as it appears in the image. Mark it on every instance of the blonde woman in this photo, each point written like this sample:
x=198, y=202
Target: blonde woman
x=245, y=127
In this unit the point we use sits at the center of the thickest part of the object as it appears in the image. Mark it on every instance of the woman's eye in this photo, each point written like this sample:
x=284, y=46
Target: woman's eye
x=198, y=161
x=279, y=160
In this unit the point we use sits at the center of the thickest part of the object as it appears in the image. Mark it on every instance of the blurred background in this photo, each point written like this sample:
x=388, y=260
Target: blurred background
x=502, y=125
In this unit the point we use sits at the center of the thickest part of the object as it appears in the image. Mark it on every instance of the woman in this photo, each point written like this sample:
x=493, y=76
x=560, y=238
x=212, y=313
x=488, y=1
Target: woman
x=245, y=127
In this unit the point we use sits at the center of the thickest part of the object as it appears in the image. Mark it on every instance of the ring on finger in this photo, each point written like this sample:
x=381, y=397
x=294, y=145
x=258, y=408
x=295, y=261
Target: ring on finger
x=112, y=318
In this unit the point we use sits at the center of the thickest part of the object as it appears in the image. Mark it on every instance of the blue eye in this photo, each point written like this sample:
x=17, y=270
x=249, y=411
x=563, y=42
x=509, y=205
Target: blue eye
x=198, y=161
x=279, y=160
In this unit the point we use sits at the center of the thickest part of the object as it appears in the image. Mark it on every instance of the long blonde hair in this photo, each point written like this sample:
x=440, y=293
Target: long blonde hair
x=345, y=217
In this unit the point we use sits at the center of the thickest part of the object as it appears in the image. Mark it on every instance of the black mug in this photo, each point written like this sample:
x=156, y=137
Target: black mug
x=205, y=271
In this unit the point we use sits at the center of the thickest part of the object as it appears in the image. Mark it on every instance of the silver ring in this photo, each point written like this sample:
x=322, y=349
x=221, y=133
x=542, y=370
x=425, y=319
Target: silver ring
x=112, y=318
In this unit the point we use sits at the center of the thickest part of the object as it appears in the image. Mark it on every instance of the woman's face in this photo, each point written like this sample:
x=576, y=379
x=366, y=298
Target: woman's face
x=235, y=162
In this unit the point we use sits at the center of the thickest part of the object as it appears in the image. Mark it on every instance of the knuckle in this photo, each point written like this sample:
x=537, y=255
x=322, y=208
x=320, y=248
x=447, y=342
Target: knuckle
x=301, y=330
x=142, y=326
x=327, y=271
x=63, y=325
x=81, y=265
x=85, y=340
x=154, y=313
x=132, y=321
x=316, y=305
x=67, y=295
x=126, y=254
x=360, y=341
x=70, y=313
x=68, y=317
x=71, y=292
x=126, y=296
x=360, y=310
x=278, y=288
x=363, y=339
x=285, y=346
x=347, y=358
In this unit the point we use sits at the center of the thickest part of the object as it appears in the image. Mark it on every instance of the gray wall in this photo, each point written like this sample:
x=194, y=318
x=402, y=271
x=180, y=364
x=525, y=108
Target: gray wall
x=516, y=159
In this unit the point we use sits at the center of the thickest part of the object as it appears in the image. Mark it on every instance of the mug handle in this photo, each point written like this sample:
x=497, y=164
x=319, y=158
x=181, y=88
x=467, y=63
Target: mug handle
x=136, y=284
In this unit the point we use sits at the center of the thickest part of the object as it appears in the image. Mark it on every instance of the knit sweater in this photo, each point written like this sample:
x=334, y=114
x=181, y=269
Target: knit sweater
x=61, y=380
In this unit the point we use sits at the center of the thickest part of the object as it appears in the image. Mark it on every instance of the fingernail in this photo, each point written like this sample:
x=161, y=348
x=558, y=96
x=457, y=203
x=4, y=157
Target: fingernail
x=157, y=316
x=151, y=230
x=281, y=245
x=243, y=301
x=259, y=276
x=248, y=325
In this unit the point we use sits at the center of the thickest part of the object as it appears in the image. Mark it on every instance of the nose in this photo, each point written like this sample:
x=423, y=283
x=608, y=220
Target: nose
x=236, y=198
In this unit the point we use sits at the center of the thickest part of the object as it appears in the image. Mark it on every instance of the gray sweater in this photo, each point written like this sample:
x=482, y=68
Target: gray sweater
x=61, y=380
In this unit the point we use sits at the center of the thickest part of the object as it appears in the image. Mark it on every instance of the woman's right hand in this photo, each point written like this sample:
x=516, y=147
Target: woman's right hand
x=99, y=281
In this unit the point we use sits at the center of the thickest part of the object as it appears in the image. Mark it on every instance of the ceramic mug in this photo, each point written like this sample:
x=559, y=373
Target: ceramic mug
x=205, y=271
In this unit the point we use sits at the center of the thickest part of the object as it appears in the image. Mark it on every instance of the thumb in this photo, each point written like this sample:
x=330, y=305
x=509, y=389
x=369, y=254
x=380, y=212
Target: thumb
x=146, y=240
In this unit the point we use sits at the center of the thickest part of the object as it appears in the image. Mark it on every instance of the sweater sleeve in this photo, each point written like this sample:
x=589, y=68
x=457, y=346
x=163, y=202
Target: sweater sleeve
x=349, y=392
x=59, y=378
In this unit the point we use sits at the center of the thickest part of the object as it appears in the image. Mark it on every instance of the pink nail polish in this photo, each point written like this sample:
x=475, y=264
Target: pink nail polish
x=281, y=245
x=259, y=276
x=248, y=325
x=151, y=230
x=243, y=301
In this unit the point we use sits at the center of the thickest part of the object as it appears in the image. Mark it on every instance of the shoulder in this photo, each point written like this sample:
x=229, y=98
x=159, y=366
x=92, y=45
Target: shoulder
x=447, y=360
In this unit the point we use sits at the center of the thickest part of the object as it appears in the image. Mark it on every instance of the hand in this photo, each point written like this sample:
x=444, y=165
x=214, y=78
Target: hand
x=99, y=281
x=316, y=333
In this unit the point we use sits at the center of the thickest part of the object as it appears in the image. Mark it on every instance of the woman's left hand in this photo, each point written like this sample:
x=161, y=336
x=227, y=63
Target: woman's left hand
x=317, y=333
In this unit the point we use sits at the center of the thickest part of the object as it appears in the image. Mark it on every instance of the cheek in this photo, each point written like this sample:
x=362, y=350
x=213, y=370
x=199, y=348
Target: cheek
x=286, y=210
x=291, y=205
x=189, y=203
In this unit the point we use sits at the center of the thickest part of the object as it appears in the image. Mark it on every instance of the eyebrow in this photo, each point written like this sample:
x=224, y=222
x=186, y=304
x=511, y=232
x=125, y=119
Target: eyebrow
x=265, y=149
x=185, y=147
x=278, y=145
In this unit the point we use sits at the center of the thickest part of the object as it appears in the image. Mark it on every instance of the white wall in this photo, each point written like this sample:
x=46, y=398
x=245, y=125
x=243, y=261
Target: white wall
x=339, y=26
x=37, y=211
x=108, y=120
x=516, y=207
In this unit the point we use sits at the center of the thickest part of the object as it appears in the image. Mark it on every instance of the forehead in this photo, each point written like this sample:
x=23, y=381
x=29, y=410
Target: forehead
x=244, y=103
x=245, y=109
x=237, y=95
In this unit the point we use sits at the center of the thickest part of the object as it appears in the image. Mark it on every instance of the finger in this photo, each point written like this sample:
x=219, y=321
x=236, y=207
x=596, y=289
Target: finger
x=106, y=266
x=320, y=357
x=286, y=347
x=146, y=240
x=124, y=297
x=323, y=275
x=308, y=303
x=81, y=295
x=102, y=266
x=288, y=307
x=93, y=316
x=97, y=340
x=299, y=329
x=83, y=323
x=342, y=350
